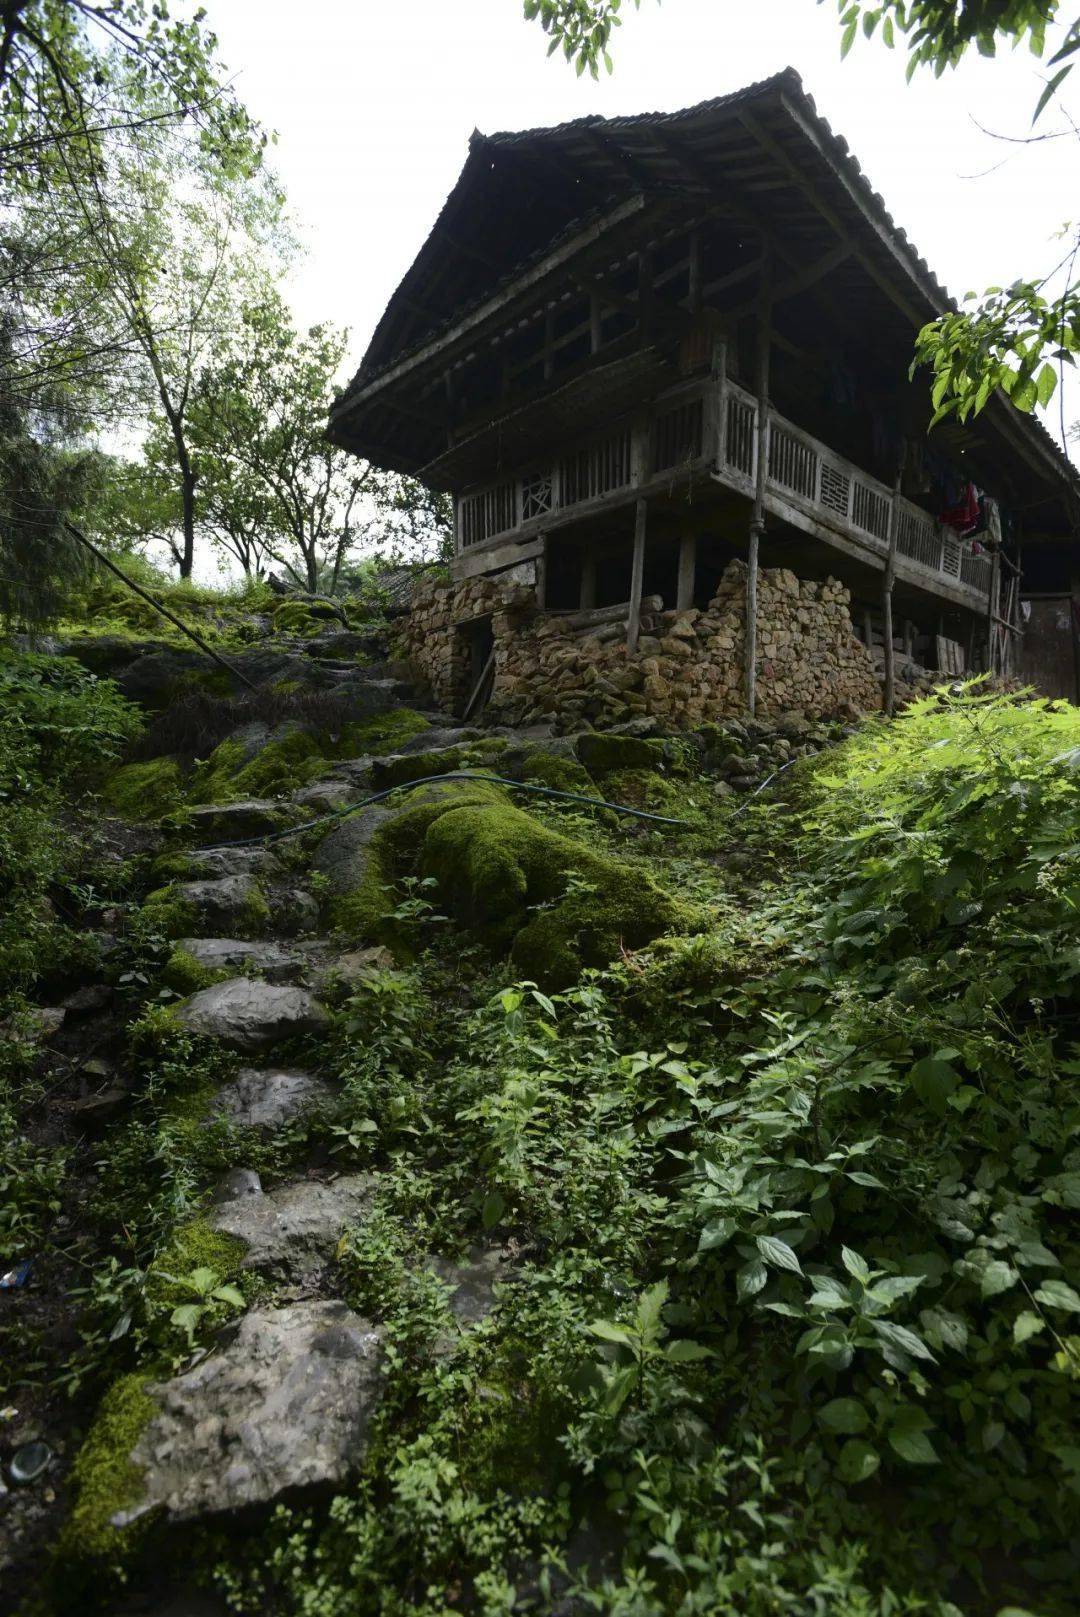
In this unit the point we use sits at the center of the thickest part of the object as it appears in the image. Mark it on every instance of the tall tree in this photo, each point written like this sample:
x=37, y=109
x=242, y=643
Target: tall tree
x=258, y=422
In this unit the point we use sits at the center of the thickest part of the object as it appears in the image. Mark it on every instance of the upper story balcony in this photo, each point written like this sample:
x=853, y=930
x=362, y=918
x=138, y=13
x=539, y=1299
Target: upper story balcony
x=703, y=436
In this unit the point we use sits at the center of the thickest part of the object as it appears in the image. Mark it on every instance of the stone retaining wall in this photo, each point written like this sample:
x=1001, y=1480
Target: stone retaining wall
x=688, y=669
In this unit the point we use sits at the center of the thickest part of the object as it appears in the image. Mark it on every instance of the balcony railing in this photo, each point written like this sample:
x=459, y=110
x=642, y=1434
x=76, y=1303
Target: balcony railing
x=806, y=474
x=692, y=429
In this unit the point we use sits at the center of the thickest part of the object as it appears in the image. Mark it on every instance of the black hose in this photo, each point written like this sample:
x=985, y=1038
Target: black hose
x=427, y=780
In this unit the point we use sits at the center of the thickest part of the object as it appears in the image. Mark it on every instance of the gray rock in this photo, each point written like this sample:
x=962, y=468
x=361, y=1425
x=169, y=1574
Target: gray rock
x=285, y=1404
x=270, y=960
x=163, y=676
x=293, y=910
x=225, y=903
x=323, y=796
x=345, y=973
x=213, y=862
x=345, y=643
x=292, y=1232
x=342, y=855
x=236, y=1183
x=251, y=817
x=474, y=1281
x=267, y=1097
x=252, y=1015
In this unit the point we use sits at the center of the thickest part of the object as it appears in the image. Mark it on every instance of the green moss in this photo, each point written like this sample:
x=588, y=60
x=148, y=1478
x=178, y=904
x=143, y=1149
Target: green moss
x=602, y=753
x=416, y=766
x=383, y=732
x=295, y=617
x=145, y=791
x=562, y=774
x=213, y=681
x=167, y=913
x=106, y=1479
x=186, y=975
x=195, y=1245
x=280, y=767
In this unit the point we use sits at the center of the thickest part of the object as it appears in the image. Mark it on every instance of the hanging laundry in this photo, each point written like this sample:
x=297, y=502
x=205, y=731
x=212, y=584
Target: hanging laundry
x=962, y=513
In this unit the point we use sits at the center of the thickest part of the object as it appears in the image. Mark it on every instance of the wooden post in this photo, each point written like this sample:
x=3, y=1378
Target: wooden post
x=541, y=573
x=637, y=578
x=687, y=566
x=757, y=519
x=588, y=582
x=886, y=597
x=596, y=331
x=991, y=611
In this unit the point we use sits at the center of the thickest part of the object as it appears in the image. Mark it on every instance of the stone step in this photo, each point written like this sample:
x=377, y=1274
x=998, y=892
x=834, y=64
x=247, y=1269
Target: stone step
x=215, y=823
x=264, y=957
x=284, y=1404
x=250, y=1015
x=291, y=1232
x=265, y=1098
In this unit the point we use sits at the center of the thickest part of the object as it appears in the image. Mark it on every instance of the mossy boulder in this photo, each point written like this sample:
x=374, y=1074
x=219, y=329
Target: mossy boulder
x=185, y=975
x=382, y=732
x=552, y=904
x=602, y=753
x=145, y=791
x=168, y=913
x=281, y=766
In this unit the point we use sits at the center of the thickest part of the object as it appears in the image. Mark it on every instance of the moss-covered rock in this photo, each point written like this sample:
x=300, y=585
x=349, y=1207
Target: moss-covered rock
x=105, y=1479
x=602, y=753
x=186, y=975
x=382, y=732
x=296, y=617
x=554, y=904
x=561, y=774
x=145, y=791
x=168, y=913
x=282, y=765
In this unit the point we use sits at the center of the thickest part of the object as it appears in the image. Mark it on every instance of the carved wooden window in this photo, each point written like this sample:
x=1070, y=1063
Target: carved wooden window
x=537, y=495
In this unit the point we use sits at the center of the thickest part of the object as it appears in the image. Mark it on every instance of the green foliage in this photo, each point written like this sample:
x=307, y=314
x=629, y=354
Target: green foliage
x=59, y=727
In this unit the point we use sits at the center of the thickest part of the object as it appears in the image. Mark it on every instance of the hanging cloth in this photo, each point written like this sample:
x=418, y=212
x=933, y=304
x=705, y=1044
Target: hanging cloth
x=962, y=513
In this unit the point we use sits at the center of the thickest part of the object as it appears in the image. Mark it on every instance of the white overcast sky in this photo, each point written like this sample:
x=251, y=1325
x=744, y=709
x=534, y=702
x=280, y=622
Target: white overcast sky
x=373, y=102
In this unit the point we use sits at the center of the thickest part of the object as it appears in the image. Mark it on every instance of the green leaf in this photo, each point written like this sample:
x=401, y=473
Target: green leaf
x=1049, y=90
x=908, y=1439
x=187, y=1316
x=778, y=1253
x=685, y=1352
x=858, y=1461
x=608, y=1331
x=856, y=1266
x=1027, y=1325
x=1056, y=1294
x=493, y=1209
x=996, y=1278
x=844, y=1415
x=228, y=1294
x=933, y=1080
x=900, y=1339
x=649, y=1308
x=718, y=1233
x=203, y=1281
x=751, y=1279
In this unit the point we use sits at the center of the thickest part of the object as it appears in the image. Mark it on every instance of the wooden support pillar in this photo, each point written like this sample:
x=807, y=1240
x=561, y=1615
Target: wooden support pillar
x=541, y=573
x=596, y=330
x=909, y=638
x=991, y=612
x=684, y=598
x=588, y=582
x=886, y=597
x=757, y=519
x=637, y=578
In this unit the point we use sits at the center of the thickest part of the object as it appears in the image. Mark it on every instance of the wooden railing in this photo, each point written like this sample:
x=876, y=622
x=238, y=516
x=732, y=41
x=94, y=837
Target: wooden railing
x=807, y=475
x=700, y=426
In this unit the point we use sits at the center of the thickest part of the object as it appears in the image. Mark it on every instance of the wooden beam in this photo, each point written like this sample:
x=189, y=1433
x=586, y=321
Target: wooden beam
x=886, y=597
x=684, y=598
x=810, y=189
x=637, y=577
x=493, y=307
x=757, y=518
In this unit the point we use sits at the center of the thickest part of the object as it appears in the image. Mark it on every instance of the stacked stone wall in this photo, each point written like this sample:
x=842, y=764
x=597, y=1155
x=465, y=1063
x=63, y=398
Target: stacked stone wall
x=688, y=668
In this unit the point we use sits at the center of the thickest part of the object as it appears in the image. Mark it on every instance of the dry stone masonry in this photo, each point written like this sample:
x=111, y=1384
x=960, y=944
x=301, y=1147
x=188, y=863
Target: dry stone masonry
x=688, y=669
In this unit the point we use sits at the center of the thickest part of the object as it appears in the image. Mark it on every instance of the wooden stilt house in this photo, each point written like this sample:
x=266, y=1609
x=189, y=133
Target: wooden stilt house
x=634, y=349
